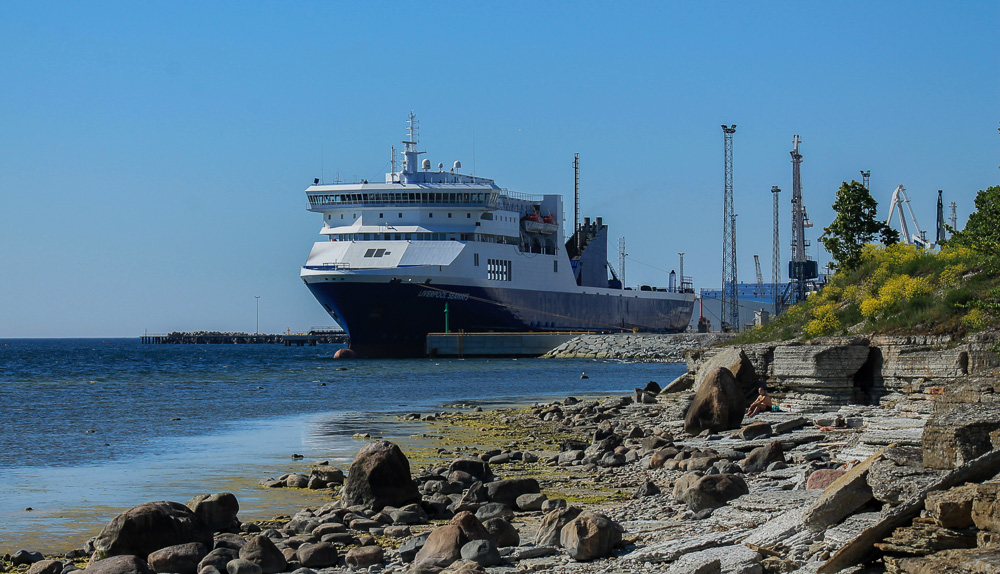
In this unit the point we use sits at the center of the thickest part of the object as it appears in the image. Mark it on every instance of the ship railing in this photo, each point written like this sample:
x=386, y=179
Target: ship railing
x=522, y=196
x=328, y=266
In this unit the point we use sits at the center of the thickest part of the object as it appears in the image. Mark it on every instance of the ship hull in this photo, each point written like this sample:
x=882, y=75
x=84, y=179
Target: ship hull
x=393, y=319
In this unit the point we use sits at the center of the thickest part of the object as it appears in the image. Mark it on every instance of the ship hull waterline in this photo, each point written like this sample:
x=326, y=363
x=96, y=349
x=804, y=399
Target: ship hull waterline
x=388, y=320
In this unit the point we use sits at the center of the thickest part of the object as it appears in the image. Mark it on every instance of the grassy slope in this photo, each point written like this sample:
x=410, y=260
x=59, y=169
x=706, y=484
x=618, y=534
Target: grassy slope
x=897, y=290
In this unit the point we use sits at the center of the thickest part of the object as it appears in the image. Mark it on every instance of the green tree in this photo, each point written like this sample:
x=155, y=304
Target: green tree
x=854, y=226
x=982, y=232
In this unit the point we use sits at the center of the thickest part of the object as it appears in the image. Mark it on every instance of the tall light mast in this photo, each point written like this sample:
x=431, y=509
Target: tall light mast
x=730, y=303
x=865, y=177
x=776, y=255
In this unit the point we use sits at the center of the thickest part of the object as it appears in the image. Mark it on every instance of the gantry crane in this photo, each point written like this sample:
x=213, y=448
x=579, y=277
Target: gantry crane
x=898, y=199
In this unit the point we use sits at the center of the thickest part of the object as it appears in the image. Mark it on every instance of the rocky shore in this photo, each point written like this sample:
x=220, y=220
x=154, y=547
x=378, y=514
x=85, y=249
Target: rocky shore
x=636, y=346
x=881, y=457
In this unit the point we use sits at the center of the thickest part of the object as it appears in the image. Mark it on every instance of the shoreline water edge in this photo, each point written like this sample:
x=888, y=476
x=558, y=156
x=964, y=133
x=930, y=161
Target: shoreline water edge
x=669, y=478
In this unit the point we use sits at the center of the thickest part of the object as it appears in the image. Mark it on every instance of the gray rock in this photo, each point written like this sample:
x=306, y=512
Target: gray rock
x=645, y=489
x=241, y=566
x=551, y=504
x=218, y=558
x=144, y=529
x=217, y=511
x=494, y=510
x=123, y=564
x=713, y=491
x=507, y=491
x=320, y=555
x=46, y=567
x=26, y=557
x=181, y=558
x=409, y=514
x=364, y=557
x=503, y=532
x=718, y=405
x=328, y=474
x=408, y=550
x=261, y=551
x=379, y=477
x=482, y=552
x=590, y=535
x=531, y=501
x=551, y=526
x=761, y=457
x=475, y=467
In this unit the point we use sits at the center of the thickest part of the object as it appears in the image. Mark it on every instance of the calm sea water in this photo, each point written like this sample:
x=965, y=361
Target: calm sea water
x=89, y=427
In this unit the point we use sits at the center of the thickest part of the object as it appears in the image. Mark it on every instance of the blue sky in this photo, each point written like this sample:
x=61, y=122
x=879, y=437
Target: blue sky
x=153, y=156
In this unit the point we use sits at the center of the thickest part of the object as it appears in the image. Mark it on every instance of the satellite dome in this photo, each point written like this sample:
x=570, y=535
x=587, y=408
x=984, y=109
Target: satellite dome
x=457, y=165
x=426, y=164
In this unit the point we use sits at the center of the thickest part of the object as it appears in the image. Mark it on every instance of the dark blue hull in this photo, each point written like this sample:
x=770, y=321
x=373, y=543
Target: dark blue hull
x=393, y=319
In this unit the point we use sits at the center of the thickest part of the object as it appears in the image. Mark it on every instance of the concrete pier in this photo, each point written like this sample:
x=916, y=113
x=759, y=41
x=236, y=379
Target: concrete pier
x=494, y=344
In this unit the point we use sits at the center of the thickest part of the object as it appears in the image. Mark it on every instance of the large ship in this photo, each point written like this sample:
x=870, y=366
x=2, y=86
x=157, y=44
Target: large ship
x=437, y=250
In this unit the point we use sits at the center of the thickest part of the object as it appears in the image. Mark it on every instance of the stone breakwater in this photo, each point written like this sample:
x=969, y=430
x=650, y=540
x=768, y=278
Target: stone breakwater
x=666, y=480
x=635, y=346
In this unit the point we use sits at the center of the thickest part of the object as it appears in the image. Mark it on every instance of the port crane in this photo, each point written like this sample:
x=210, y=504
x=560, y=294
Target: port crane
x=899, y=198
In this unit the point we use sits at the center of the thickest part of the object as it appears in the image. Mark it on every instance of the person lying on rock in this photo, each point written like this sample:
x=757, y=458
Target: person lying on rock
x=761, y=403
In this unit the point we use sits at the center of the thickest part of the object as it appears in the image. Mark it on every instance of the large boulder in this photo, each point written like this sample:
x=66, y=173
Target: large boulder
x=472, y=528
x=482, y=552
x=362, y=557
x=957, y=434
x=734, y=360
x=503, y=532
x=718, y=405
x=262, y=552
x=380, y=477
x=761, y=457
x=328, y=474
x=473, y=466
x=146, y=528
x=442, y=547
x=217, y=511
x=842, y=497
x=549, y=530
x=713, y=491
x=507, y=491
x=182, y=558
x=122, y=564
x=590, y=535
x=46, y=567
x=319, y=555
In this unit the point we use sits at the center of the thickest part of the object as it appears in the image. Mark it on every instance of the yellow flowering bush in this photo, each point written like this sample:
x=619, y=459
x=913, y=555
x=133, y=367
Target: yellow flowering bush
x=952, y=274
x=825, y=322
x=975, y=319
x=871, y=307
x=893, y=290
x=918, y=286
x=852, y=294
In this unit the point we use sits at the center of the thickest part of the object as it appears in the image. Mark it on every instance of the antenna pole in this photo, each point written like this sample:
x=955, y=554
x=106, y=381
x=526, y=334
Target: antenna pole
x=576, y=191
x=621, y=262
